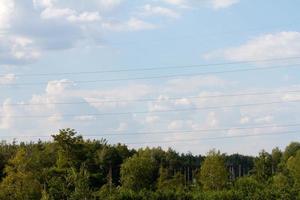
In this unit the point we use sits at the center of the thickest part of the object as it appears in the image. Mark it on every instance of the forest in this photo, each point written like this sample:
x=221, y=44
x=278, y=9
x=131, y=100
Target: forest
x=73, y=168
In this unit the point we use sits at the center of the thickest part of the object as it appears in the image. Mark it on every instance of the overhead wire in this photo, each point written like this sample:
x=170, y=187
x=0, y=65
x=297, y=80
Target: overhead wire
x=160, y=111
x=157, y=77
x=157, y=68
x=106, y=100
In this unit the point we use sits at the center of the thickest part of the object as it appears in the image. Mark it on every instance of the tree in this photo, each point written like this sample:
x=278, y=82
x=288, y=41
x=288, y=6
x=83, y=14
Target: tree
x=169, y=182
x=291, y=150
x=213, y=172
x=80, y=182
x=263, y=166
x=20, y=183
x=139, y=172
x=248, y=187
x=280, y=187
x=70, y=152
x=293, y=165
x=276, y=159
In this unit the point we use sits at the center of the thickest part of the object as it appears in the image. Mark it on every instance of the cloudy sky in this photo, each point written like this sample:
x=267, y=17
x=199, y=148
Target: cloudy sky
x=187, y=74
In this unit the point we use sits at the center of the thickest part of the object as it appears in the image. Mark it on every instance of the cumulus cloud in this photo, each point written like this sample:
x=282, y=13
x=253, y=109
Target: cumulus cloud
x=42, y=3
x=7, y=79
x=6, y=115
x=57, y=25
x=179, y=3
x=6, y=12
x=109, y=99
x=85, y=118
x=109, y=4
x=58, y=86
x=133, y=24
x=219, y=4
x=70, y=15
x=18, y=49
x=190, y=84
x=268, y=46
x=194, y=120
x=150, y=10
x=215, y=4
x=244, y=120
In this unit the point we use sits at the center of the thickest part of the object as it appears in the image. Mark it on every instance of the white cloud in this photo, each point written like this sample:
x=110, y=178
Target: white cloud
x=219, y=4
x=190, y=84
x=151, y=119
x=277, y=45
x=54, y=13
x=6, y=115
x=291, y=97
x=55, y=117
x=108, y=99
x=6, y=12
x=133, y=24
x=15, y=49
x=109, y=4
x=183, y=101
x=212, y=120
x=57, y=87
x=7, y=79
x=85, y=17
x=264, y=119
x=137, y=24
x=85, y=118
x=215, y=4
x=122, y=127
x=42, y=3
x=150, y=10
x=179, y=3
x=70, y=15
x=244, y=120
x=22, y=49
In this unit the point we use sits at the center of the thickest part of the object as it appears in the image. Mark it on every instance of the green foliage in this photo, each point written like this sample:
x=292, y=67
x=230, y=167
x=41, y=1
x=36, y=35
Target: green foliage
x=213, y=172
x=263, y=166
x=249, y=188
x=140, y=171
x=293, y=165
x=71, y=168
x=276, y=159
x=20, y=182
x=167, y=182
x=291, y=150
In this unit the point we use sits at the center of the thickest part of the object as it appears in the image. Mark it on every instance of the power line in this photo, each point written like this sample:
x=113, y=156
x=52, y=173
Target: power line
x=163, y=111
x=215, y=138
x=203, y=131
x=161, y=77
x=157, y=68
x=193, y=131
x=152, y=99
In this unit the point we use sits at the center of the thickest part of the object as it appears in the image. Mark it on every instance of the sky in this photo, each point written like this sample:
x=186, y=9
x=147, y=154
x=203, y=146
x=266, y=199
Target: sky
x=192, y=75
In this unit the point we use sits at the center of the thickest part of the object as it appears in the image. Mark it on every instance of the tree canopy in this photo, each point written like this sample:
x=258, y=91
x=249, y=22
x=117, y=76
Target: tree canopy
x=72, y=168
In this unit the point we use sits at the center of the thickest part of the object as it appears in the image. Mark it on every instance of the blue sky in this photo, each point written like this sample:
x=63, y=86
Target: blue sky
x=45, y=43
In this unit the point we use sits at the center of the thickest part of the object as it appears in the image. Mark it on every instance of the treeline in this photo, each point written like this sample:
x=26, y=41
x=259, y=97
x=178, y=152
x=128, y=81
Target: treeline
x=71, y=168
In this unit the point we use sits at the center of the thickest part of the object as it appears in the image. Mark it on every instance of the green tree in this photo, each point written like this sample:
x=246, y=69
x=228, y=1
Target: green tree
x=213, y=172
x=276, y=159
x=249, y=188
x=80, y=182
x=20, y=183
x=293, y=165
x=71, y=150
x=263, y=166
x=281, y=188
x=291, y=150
x=169, y=182
x=140, y=171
